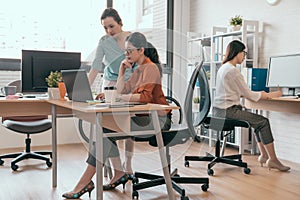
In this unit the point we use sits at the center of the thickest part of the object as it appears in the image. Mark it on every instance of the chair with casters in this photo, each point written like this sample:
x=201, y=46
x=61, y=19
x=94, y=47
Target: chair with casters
x=179, y=133
x=224, y=128
x=26, y=125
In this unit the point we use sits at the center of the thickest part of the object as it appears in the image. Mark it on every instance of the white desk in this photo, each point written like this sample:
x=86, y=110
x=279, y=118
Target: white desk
x=116, y=119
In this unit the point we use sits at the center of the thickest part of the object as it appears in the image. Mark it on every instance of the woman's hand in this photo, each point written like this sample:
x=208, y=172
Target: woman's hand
x=100, y=96
x=126, y=64
x=276, y=94
x=270, y=95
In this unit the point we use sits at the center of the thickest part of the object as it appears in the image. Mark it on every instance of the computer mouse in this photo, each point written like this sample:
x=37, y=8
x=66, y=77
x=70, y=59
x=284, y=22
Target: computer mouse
x=19, y=94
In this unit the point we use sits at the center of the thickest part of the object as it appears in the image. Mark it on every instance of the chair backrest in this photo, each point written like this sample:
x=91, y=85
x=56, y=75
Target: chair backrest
x=199, y=75
x=16, y=83
x=179, y=116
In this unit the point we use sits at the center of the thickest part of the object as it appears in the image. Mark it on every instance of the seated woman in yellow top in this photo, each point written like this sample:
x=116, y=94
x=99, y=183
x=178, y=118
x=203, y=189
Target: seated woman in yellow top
x=144, y=86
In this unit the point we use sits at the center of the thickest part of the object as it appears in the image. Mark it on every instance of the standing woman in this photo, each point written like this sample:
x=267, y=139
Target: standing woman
x=110, y=51
x=230, y=87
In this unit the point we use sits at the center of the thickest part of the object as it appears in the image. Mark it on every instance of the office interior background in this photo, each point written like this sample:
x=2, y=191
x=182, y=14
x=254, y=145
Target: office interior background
x=67, y=25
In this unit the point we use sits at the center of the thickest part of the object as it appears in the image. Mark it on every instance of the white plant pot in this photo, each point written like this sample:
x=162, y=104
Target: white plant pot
x=235, y=28
x=53, y=93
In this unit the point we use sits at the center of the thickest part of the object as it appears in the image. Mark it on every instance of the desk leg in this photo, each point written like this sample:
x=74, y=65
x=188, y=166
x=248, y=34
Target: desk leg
x=99, y=157
x=162, y=153
x=54, y=147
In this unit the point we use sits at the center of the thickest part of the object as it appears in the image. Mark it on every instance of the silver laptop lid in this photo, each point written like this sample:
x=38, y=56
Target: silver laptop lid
x=77, y=85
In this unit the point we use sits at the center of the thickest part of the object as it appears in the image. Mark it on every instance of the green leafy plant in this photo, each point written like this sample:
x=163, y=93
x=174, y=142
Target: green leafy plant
x=236, y=20
x=196, y=100
x=53, y=79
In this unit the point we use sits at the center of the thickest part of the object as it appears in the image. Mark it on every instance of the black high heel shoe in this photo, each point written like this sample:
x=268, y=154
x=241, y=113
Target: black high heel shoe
x=130, y=176
x=123, y=180
x=88, y=188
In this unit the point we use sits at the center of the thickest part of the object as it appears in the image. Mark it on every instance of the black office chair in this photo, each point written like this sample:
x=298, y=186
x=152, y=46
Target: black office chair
x=224, y=128
x=26, y=125
x=178, y=134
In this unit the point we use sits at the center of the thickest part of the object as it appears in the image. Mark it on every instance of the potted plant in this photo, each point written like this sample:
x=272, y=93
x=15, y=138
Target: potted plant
x=196, y=104
x=53, y=81
x=196, y=99
x=236, y=22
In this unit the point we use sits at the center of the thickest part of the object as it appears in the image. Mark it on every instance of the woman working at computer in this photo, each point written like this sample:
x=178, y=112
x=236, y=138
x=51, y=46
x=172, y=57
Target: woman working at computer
x=144, y=86
x=230, y=87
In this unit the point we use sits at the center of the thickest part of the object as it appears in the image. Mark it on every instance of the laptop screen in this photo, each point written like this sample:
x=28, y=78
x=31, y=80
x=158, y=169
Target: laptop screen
x=77, y=85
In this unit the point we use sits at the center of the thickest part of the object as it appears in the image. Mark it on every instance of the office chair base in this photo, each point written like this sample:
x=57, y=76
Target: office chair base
x=235, y=160
x=26, y=155
x=155, y=180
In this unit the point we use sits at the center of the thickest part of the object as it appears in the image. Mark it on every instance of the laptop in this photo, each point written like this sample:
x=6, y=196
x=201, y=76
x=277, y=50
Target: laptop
x=79, y=89
x=77, y=85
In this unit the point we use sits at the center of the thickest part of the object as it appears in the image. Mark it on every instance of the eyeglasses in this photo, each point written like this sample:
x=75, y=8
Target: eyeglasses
x=245, y=53
x=129, y=51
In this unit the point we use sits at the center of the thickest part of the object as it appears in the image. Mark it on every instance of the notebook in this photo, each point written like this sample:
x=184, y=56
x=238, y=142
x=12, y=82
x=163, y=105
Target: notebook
x=125, y=104
x=77, y=85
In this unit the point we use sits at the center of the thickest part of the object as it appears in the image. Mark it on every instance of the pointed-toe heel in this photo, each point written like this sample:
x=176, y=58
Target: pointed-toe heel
x=123, y=180
x=262, y=160
x=270, y=164
x=130, y=177
x=88, y=188
x=130, y=174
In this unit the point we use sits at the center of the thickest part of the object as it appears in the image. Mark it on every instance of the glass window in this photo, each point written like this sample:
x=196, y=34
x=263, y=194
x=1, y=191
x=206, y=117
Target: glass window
x=68, y=25
x=147, y=7
x=153, y=24
x=50, y=25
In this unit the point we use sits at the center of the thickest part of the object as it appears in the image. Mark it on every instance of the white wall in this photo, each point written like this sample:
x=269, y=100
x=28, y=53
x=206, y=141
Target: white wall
x=279, y=23
x=279, y=35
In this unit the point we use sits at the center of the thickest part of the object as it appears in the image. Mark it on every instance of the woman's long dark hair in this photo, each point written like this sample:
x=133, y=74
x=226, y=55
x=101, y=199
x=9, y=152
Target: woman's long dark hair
x=233, y=48
x=110, y=12
x=138, y=40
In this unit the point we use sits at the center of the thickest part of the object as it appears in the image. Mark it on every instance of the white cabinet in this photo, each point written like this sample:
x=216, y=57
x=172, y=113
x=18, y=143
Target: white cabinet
x=211, y=49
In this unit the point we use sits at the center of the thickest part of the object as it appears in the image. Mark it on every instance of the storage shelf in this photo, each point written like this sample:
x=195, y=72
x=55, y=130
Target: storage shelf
x=200, y=38
x=234, y=33
x=214, y=139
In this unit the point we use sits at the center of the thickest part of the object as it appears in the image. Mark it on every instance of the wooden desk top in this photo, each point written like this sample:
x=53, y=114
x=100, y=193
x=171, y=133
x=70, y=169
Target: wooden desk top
x=84, y=107
x=27, y=107
x=287, y=105
x=117, y=119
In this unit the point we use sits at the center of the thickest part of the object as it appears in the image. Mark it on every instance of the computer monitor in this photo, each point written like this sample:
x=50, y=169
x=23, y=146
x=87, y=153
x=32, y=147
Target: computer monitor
x=284, y=72
x=37, y=65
